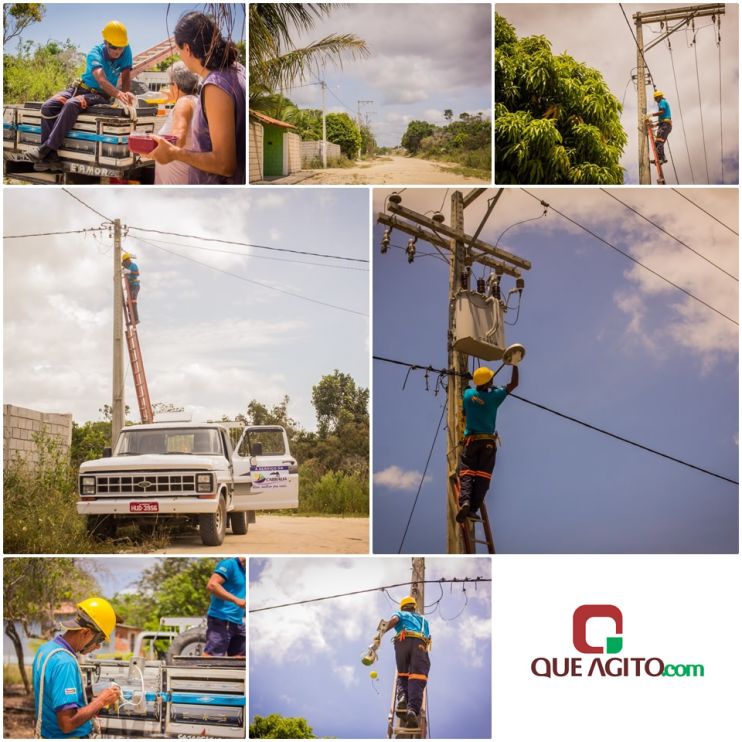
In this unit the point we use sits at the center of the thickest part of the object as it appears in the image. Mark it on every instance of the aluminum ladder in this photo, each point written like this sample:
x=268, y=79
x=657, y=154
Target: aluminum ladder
x=135, y=357
x=395, y=730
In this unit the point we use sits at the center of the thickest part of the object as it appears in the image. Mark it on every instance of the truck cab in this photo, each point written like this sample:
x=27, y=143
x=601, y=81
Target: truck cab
x=189, y=471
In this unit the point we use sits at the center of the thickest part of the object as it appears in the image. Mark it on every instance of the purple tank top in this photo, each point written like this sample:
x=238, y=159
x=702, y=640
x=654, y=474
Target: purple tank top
x=232, y=81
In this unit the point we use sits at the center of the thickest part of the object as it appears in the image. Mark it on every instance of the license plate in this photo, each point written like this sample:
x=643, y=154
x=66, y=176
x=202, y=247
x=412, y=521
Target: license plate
x=144, y=507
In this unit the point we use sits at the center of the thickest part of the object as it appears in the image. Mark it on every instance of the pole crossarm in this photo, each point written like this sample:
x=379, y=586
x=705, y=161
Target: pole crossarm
x=674, y=14
x=473, y=194
x=460, y=235
x=433, y=239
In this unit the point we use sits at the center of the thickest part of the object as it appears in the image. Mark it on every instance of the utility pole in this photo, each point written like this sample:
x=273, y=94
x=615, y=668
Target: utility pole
x=683, y=17
x=465, y=250
x=324, y=126
x=117, y=408
x=418, y=583
x=360, y=120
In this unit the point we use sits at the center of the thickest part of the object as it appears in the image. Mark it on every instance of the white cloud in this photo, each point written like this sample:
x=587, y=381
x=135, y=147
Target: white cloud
x=346, y=673
x=398, y=479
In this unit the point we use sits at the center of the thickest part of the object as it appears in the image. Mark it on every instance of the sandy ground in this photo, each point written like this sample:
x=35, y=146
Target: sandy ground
x=277, y=534
x=393, y=170
x=17, y=713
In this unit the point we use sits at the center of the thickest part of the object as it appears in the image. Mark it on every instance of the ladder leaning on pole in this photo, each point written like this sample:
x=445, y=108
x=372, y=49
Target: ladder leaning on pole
x=135, y=357
x=395, y=730
x=469, y=526
x=653, y=145
x=150, y=57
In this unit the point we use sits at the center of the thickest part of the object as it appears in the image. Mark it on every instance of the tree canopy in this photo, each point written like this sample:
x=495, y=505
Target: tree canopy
x=280, y=727
x=18, y=16
x=556, y=120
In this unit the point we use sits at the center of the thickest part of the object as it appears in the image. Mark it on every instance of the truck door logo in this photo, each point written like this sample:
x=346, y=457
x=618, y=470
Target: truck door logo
x=580, y=618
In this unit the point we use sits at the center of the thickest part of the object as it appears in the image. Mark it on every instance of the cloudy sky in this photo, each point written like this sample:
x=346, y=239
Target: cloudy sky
x=211, y=340
x=598, y=36
x=607, y=343
x=318, y=646
x=424, y=58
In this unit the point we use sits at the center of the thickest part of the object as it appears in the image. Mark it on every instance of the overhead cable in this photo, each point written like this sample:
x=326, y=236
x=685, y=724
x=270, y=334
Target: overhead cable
x=672, y=236
x=708, y=213
x=50, y=234
x=594, y=428
x=636, y=43
x=680, y=109
x=700, y=103
x=86, y=205
x=631, y=257
x=454, y=580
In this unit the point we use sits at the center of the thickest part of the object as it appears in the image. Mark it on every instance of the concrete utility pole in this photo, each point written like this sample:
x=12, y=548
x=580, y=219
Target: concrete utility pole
x=465, y=250
x=324, y=126
x=359, y=120
x=117, y=408
x=683, y=16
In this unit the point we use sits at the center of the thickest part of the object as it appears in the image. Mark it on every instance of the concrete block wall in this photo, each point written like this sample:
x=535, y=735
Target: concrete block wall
x=20, y=425
x=256, y=151
x=292, y=161
x=312, y=151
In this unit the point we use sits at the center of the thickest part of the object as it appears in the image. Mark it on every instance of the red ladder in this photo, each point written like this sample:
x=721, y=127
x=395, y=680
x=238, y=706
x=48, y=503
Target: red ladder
x=150, y=57
x=660, y=174
x=135, y=357
x=468, y=527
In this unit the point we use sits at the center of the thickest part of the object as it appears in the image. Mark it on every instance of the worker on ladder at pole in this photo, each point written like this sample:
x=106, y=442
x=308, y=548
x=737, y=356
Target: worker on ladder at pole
x=131, y=271
x=664, y=126
x=411, y=647
x=480, y=439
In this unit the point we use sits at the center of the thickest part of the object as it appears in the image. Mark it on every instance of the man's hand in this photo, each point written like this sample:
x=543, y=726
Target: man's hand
x=128, y=99
x=164, y=152
x=109, y=696
x=241, y=602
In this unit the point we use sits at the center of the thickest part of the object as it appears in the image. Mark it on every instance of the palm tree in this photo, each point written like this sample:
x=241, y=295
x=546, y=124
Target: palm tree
x=275, y=62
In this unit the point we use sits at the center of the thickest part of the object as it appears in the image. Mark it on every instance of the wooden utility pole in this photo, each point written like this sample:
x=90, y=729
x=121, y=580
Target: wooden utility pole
x=683, y=16
x=117, y=408
x=418, y=583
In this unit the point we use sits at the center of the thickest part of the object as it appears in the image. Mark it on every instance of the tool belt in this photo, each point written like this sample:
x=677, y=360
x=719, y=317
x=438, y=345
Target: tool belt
x=80, y=85
x=404, y=634
x=480, y=437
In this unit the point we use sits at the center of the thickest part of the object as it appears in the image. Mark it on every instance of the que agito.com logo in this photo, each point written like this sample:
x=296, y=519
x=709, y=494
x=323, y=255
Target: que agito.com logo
x=600, y=665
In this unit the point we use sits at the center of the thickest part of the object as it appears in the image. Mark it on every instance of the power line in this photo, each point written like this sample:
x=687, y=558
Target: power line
x=49, y=234
x=680, y=108
x=631, y=257
x=257, y=283
x=413, y=367
x=422, y=478
x=721, y=126
x=442, y=580
x=708, y=213
x=87, y=206
x=641, y=51
x=662, y=229
x=700, y=103
x=250, y=244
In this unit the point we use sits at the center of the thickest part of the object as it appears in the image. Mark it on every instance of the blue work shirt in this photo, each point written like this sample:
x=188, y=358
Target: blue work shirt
x=664, y=107
x=480, y=409
x=62, y=689
x=133, y=277
x=112, y=68
x=412, y=622
x=233, y=572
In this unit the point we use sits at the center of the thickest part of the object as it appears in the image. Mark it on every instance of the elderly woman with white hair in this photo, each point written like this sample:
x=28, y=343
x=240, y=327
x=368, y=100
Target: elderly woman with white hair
x=184, y=87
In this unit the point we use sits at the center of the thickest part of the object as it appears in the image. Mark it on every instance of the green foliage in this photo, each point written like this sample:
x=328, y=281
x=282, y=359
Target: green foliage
x=333, y=493
x=556, y=121
x=416, y=132
x=337, y=400
x=18, y=16
x=89, y=440
x=38, y=71
x=281, y=727
x=342, y=130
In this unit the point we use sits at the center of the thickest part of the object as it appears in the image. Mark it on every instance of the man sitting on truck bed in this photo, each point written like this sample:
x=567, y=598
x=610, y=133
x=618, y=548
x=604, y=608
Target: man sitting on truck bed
x=104, y=64
x=225, y=621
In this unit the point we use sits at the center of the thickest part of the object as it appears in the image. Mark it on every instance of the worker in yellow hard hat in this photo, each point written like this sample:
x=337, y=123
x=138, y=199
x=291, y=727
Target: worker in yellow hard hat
x=131, y=270
x=664, y=125
x=107, y=64
x=480, y=441
x=61, y=706
x=411, y=648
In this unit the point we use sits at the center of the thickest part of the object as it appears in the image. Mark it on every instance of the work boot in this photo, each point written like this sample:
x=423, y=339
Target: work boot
x=37, y=154
x=401, y=704
x=464, y=511
x=410, y=719
x=52, y=161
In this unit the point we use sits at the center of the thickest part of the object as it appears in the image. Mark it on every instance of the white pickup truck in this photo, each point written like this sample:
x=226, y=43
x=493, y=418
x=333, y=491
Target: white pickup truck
x=189, y=470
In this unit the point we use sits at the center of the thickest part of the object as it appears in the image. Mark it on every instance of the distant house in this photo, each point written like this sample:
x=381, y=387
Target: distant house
x=124, y=638
x=275, y=148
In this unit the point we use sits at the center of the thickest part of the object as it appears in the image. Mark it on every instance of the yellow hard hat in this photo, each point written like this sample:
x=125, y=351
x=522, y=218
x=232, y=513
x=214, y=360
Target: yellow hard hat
x=100, y=613
x=127, y=256
x=659, y=94
x=409, y=600
x=114, y=32
x=482, y=375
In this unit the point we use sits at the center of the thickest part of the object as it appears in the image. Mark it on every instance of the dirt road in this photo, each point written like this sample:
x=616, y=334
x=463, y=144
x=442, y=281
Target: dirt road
x=17, y=713
x=393, y=170
x=280, y=534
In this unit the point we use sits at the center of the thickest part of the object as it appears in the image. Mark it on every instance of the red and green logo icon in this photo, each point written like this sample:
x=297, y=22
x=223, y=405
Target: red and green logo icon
x=613, y=644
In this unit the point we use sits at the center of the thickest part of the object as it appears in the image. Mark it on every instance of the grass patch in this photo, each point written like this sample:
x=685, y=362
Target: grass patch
x=12, y=675
x=467, y=172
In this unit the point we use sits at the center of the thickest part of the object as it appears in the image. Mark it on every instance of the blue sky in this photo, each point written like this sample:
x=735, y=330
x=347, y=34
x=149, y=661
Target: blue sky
x=147, y=23
x=305, y=660
x=607, y=343
x=445, y=63
x=597, y=35
x=210, y=341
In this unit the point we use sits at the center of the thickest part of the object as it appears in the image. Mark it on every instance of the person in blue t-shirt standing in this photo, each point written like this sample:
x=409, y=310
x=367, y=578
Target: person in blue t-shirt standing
x=411, y=647
x=60, y=703
x=105, y=63
x=664, y=125
x=480, y=445
x=225, y=622
x=131, y=270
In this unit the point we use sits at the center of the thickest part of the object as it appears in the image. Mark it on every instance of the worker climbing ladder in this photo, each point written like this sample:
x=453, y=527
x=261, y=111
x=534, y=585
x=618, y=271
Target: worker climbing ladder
x=135, y=357
x=653, y=147
x=469, y=526
x=395, y=728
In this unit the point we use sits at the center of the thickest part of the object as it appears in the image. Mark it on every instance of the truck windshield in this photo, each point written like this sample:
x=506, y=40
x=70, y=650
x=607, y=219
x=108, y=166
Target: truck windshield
x=199, y=441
